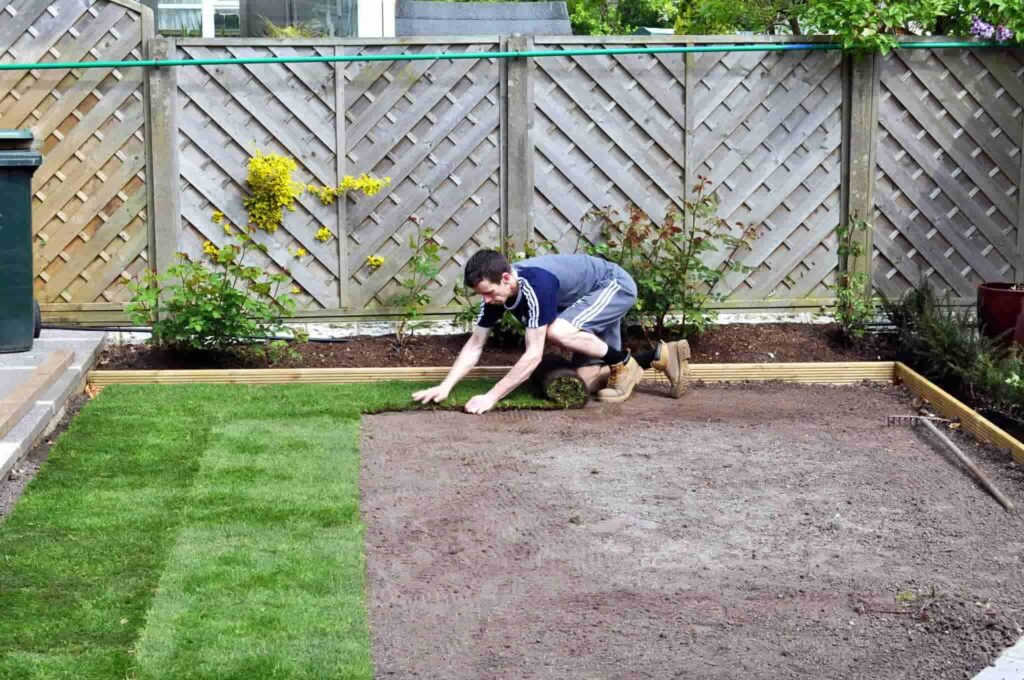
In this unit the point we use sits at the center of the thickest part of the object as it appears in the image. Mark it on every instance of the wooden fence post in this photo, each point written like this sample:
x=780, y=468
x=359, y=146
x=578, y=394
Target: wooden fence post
x=518, y=156
x=862, y=74
x=1019, y=264
x=162, y=175
x=341, y=167
x=689, y=83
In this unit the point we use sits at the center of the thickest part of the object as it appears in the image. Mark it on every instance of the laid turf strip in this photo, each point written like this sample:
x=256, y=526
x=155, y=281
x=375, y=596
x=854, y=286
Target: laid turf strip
x=197, y=532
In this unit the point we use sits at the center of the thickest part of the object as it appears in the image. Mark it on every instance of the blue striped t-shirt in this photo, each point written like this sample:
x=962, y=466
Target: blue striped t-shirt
x=536, y=304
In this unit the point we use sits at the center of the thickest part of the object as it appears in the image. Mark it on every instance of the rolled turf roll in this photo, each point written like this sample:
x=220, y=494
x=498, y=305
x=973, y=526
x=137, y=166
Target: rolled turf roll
x=555, y=379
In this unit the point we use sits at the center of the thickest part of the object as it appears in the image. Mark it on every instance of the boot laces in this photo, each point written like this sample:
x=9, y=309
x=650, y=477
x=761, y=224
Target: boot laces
x=617, y=374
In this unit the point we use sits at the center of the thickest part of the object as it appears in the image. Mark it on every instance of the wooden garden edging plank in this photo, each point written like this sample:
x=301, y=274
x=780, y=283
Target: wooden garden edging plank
x=949, y=406
x=837, y=372
x=14, y=407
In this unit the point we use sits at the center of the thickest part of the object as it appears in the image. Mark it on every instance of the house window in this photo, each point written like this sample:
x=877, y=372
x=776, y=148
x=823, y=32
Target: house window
x=250, y=18
x=195, y=18
x=316, y=18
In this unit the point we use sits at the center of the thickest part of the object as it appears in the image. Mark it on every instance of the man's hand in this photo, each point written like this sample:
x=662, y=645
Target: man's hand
x=434, y=394
x=481, y=403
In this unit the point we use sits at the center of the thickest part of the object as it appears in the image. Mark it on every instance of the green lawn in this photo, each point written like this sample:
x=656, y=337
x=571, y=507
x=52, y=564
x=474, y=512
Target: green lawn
x=197, y=532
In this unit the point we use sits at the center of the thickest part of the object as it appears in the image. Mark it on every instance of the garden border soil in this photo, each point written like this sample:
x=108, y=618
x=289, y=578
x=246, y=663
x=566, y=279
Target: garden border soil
x=719, y=344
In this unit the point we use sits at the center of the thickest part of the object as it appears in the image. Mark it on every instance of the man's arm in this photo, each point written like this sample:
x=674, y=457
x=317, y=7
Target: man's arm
x=468, y=358
x=519, y=373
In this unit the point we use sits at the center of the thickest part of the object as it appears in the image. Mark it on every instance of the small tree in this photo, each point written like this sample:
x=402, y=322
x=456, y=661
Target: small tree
x=854, y=307
x=670, y=262
x=857, y=24
x=424, y=266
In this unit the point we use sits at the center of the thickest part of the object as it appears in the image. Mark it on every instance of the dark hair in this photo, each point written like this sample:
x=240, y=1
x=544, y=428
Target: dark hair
x=486, y=264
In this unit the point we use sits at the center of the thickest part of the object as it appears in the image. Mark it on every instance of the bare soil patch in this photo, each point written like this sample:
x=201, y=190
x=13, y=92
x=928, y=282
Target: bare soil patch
x=754, y=531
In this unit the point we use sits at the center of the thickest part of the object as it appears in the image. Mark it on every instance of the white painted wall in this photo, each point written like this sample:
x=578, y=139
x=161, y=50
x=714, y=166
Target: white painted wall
x=376, y=18
x=208, y=18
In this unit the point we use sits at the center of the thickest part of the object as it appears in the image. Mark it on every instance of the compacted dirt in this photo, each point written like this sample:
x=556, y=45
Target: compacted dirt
x=770, y=531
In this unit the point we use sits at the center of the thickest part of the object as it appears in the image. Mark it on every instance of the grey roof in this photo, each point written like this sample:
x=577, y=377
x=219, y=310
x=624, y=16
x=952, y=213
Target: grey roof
x=427, y=18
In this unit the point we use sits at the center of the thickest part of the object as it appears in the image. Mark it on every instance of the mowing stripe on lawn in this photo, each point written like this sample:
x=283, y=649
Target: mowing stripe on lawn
x=267, y=580
x=81, y=554
x=248, y=496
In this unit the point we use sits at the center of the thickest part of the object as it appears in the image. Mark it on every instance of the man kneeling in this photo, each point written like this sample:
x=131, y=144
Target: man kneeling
x=576, y=302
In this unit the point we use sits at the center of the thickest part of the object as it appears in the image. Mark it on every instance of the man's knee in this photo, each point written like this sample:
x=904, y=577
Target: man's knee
x=561, y=331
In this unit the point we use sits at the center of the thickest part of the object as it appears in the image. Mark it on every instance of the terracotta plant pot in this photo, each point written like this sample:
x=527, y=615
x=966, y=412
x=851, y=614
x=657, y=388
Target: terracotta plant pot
x=1001, y=312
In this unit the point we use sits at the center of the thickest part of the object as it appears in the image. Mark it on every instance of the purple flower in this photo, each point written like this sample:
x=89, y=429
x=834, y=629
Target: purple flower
x=981, y=29
x=1003, y=34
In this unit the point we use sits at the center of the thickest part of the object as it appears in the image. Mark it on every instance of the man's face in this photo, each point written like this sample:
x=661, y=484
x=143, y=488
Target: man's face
x=495, y=293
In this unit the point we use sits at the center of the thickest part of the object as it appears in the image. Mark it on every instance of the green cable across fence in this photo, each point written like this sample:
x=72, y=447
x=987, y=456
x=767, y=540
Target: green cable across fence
x=662, y=49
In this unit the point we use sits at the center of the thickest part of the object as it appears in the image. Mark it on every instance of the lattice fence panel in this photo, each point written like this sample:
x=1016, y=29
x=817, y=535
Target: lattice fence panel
x=226, y=114
x=608, y=131
x=433, y=127
x=767, y=132
x=89, y=208
x=947, y=194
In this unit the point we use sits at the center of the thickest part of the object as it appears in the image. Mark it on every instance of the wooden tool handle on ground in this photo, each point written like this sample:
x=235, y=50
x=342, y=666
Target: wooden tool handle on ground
x=969, y=464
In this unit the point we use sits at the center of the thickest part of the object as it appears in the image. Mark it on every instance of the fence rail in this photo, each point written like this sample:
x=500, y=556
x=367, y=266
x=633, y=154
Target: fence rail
x=926, y=144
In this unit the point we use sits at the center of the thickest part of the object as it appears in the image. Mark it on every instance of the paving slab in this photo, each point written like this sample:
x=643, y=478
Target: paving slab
x=1009, y=665
x=16, y=367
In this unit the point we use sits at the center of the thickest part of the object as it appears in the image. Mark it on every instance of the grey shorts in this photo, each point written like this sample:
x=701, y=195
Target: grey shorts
x=601, y=311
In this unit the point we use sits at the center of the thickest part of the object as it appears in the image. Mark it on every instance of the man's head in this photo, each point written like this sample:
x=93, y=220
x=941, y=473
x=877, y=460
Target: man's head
x=490, y=275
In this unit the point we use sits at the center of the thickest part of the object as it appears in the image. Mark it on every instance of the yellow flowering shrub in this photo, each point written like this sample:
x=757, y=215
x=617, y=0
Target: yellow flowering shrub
x=223, y=300
x=273, y=190
x=364, y=183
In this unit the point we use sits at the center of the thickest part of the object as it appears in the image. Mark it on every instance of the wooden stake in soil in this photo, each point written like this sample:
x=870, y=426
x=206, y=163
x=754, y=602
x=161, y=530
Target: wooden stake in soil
x=556, y=380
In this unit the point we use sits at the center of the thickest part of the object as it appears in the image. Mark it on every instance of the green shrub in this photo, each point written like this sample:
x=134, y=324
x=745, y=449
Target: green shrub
x=669, y=263
x=196, y=307
x=942, y=342
x=854, y=307
x=934, y=333
x=424, y=266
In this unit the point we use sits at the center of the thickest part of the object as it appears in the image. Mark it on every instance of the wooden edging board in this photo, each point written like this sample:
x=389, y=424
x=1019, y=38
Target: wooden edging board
x=948, y=406
x=19, y=402
x=833, y=373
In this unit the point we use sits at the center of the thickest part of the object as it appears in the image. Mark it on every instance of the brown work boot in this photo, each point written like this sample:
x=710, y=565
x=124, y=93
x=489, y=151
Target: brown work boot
x=674, y=361
x=621, y=381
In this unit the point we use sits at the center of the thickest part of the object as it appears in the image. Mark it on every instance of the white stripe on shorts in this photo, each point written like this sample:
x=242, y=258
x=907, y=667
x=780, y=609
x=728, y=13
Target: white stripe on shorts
x=599, y=304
